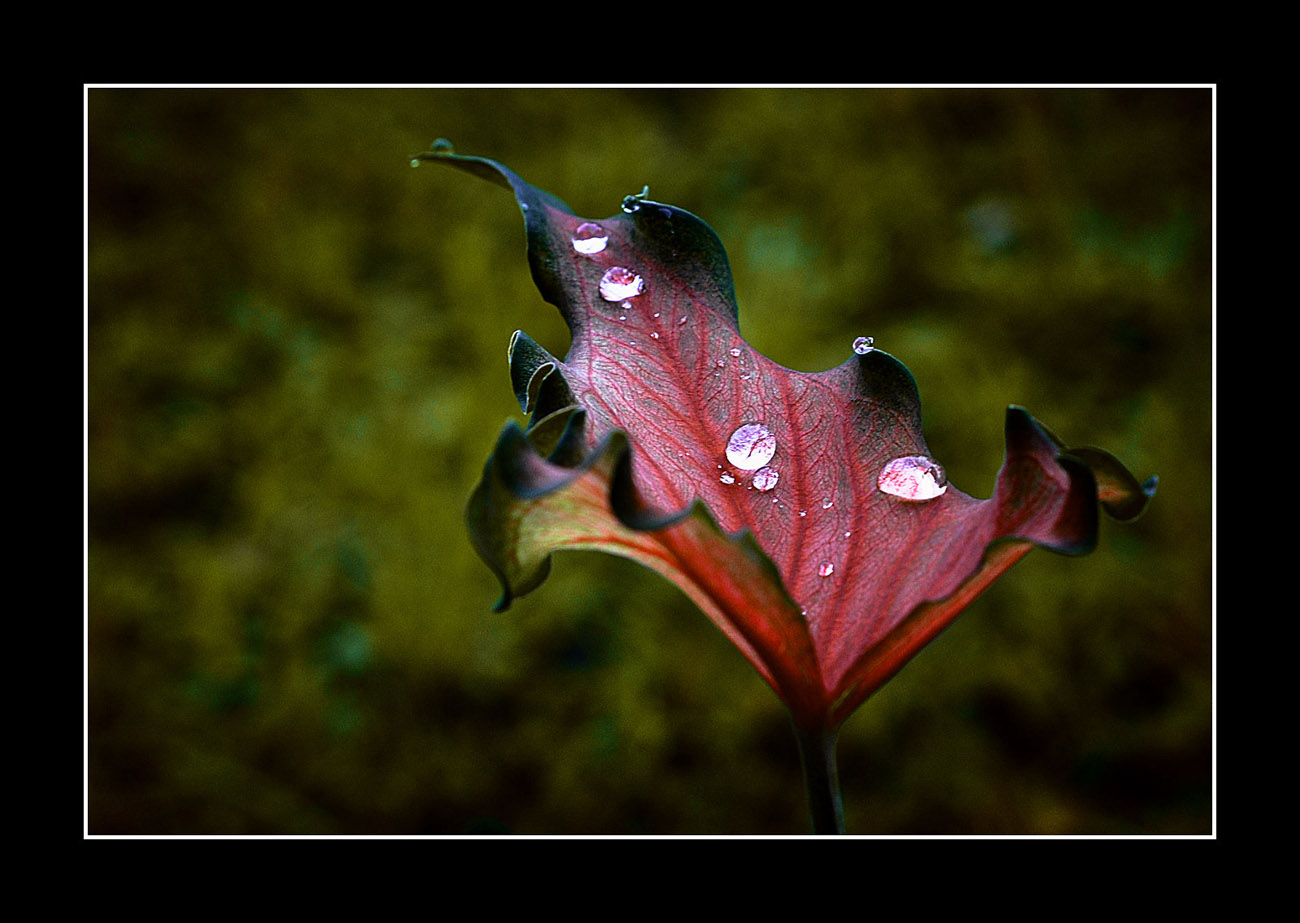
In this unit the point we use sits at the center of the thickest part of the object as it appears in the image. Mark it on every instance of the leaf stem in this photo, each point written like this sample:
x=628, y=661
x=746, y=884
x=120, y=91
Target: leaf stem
x=821, y=778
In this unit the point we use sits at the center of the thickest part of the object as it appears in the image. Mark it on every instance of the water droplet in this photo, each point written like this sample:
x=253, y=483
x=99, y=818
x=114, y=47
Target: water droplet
x=681, y=321
x=751, y=446
x=847, y=534
x=589, y=238
x=863, y=345
x=803, y=513
x=735, y=352
x=766, y=478
x=442, y=146
x=415, y=161
x=656, y=313
x=619, y=283
x=826, y=569
x=721, y=362
x=726, y=479
x=827, y=503
x=913, y=477
x=654, y=336
x=632, y=203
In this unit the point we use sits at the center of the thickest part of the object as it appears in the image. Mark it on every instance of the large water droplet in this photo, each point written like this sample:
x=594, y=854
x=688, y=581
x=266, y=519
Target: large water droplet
x=913, y=477
x=751, y=447
x=766, y=478
x=619, y=283
x=826, y=569
x=589, y=238
x=863, y=345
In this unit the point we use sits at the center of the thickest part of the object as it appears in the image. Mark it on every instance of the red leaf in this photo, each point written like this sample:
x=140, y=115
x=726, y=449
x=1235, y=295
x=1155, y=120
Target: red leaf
x=800, y=511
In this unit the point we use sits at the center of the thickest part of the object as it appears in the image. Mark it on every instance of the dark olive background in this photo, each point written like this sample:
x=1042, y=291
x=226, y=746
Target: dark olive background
x=297, y=368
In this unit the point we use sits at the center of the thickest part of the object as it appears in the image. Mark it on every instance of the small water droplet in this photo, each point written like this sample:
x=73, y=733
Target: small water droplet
x=415, y=161
x=863, y=345
x=656, y=313
x=766, y=478
x=827, y=503
x=654, y=336
x=735, y=352
x=803, y=513
x=632, y=203
x=721, y=362
x=726, y=479
x=751, y=446
x=826, y=569
x=913, y=477
x=442, y=146
x=589, y=238
x=680, y=321
x=847, y=534
x=619, y=283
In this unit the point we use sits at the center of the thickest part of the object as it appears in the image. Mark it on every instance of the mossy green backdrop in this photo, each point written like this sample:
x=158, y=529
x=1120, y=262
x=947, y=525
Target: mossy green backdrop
x=296, y=369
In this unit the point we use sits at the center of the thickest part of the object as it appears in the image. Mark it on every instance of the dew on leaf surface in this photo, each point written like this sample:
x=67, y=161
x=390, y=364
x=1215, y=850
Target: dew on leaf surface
x=589, y=238
x=913, y=477
x=826, y=569
x=766, y=478
x=751, y=447
x=619, y=283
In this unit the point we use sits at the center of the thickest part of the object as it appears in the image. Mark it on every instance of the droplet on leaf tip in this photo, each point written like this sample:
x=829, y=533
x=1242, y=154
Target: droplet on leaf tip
x=632, y=203
x=913, y=477
x=863, y=345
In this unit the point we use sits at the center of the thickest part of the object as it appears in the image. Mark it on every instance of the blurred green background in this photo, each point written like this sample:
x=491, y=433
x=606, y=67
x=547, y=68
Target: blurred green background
x=296, y=369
